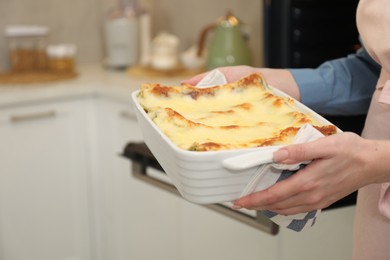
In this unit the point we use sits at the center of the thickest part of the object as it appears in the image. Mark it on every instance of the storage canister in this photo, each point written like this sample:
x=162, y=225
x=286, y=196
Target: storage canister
x=27, y=47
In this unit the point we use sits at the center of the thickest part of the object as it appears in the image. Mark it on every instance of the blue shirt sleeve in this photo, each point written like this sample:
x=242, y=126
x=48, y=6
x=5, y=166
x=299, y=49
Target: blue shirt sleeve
x=339, y=87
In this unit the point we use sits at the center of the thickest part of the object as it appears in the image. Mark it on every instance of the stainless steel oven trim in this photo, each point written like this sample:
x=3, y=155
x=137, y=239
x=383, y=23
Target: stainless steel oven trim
x=259, y=221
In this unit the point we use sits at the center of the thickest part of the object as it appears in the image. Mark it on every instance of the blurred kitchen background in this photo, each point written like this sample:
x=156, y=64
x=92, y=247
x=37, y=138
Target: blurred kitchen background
x=76, y=180
x=82, y=22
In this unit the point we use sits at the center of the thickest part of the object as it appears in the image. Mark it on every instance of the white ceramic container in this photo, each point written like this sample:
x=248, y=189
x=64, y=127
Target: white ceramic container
x=207, y=177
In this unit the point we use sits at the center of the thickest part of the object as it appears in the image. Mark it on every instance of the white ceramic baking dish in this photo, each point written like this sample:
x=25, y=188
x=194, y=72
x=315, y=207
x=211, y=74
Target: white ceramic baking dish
x=207, y=177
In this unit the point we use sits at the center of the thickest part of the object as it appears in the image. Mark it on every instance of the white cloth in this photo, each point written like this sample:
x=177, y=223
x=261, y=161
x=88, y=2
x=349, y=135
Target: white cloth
x=268, y=174
x=213, y=78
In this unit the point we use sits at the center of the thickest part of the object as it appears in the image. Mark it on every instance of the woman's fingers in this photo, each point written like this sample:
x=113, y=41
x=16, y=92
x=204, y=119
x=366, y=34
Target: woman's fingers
x=310, y=186
x=232, y=74
x=194, y=80
x=270, y=196
x=299, y=203
x=296, y=153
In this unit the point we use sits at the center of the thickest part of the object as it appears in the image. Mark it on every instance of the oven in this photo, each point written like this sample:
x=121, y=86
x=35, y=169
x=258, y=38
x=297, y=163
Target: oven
x=305, y=33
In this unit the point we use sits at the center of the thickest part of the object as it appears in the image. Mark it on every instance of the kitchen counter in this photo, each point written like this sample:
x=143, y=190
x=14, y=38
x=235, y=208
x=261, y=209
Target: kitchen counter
x=93, y=79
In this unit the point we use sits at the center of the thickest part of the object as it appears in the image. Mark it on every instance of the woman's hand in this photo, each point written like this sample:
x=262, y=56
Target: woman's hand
x=342, y=163
x=232, y=74
x=279, y=78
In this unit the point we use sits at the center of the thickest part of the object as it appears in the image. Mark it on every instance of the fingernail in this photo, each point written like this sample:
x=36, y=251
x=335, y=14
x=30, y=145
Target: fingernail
x=280, y=155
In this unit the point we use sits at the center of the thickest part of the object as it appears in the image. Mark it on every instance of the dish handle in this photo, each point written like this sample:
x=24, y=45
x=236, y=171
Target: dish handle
x=252, y=159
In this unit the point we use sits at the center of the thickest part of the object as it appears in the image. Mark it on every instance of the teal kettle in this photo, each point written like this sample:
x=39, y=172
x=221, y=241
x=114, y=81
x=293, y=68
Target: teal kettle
x=227, y=45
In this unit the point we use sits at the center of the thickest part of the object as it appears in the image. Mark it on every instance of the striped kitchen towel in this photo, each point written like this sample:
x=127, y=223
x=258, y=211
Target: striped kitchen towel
x=268, y=174
x=296, y=222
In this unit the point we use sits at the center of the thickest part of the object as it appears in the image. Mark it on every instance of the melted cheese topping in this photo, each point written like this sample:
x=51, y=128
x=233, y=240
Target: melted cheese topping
x=237, y=115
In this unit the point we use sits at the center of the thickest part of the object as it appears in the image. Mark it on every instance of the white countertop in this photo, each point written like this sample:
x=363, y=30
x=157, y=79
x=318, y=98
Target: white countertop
x=93, y=79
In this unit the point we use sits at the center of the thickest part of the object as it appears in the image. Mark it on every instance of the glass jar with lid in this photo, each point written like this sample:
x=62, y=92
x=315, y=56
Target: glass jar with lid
x=61, y=58
x=27, y=47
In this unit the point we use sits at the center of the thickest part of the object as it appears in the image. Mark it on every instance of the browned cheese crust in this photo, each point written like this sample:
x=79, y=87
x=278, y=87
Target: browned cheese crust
x=242, y=114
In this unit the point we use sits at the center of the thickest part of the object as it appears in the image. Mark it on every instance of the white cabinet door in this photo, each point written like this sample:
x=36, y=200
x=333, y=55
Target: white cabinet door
x=206, y=234
x=43, y=183
x=139, y=221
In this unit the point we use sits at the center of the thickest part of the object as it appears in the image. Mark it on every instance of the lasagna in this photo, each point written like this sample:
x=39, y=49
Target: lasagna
x=242, y=114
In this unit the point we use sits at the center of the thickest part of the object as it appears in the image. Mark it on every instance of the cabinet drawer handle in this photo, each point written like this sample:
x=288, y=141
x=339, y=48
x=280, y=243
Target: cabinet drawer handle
x=127, y=115
x=32, y=116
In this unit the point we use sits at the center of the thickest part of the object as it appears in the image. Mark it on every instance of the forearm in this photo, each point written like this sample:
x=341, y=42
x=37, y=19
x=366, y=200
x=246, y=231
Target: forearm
x=339, y=87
